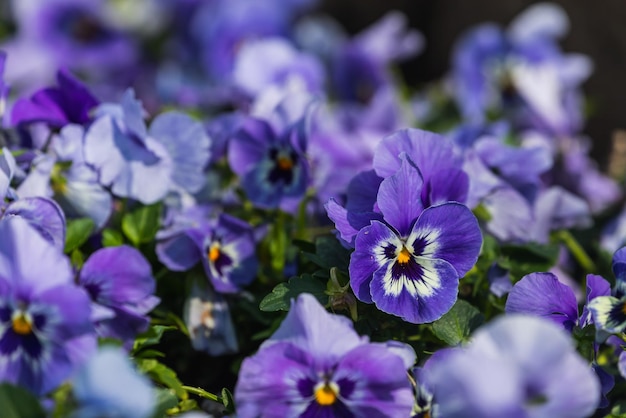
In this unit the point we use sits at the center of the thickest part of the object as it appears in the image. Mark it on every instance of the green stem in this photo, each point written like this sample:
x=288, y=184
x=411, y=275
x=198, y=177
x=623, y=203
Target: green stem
x=577, y=251
x=203, y=393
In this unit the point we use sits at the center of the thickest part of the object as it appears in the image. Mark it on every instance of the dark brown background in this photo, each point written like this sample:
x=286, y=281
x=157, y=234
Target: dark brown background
x=597, y=29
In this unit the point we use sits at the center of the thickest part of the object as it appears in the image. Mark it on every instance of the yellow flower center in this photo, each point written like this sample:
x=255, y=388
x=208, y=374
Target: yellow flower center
x=326, y=393
x=284, y=163
x=624, y=308
x=22, y=324
x=214, y=253
x=404, y=256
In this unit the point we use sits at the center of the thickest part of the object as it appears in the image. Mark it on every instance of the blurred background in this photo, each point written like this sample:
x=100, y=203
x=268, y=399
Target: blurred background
x=597, y=29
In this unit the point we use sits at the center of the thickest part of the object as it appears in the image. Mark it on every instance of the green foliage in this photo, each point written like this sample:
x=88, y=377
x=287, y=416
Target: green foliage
x=141, y=225
x=112, y=238
x=163, y=375
x=165, y=399
x=457, y=325
x=78, y=232
x=16, y=402
x=280, y=298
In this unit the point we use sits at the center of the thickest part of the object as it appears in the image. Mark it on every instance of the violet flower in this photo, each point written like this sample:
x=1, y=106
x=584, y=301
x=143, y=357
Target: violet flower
x=411, y=264
x=515, y=367
x=542, y=294
x=146, y=164
x=122, y=293
x=316, y=365
x=45, y=331
x=271, y=164
x=70, y=102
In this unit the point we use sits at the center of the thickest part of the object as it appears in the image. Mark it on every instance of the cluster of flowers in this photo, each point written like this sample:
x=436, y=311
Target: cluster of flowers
x=198, y=139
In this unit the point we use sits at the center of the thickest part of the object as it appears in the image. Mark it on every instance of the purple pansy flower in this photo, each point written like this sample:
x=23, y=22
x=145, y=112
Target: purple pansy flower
x=609, y=311
x=45, y=331
x=542, y=294
x=122, y=293
x=316, y=365
x=4, y=88
x=271, y=164
x=411, y=264
x=225, y=245
x=146, y=164
x=109, y=386
x=515, y=367
x=70, y=102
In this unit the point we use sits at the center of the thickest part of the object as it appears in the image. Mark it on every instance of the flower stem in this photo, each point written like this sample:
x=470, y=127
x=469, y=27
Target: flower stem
x=203, y=393
x=577, y=251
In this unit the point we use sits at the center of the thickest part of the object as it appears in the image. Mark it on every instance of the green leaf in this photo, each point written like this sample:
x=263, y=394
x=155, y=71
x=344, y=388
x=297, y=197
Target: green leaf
x=16, y=402
x=619, y=410
x=329, y=253
x=162, y=374
x=78, y=232
x=151, y=336
x=457, y=325
x=528, y=258
x=165, y=399
x=112, y=238
x=280, y=298
x=141, y=225
x=227, y=400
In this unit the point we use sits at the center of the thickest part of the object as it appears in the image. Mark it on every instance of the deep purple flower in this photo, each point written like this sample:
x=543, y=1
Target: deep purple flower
x=272, y=165
x=515, y=367
x=45, y=331
x=70, y=102
x=542, y=294
x=120, y=283
x=225, y=246
x=315, y=365
x=411, y=264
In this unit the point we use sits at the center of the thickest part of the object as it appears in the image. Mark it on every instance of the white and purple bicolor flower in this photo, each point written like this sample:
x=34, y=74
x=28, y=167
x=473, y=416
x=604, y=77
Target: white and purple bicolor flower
x=316, y=365
x=45, y=327
x=121, y=286
x=271, y=164
x=410, y=264
x=609, y=311
x=515, y=367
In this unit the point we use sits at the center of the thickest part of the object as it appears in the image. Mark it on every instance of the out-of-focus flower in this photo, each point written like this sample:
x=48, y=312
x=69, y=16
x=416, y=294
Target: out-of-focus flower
x=120, y=283
x=146, y=164
x=45, y=331
x=515, y=367
x=272, y=165
x=315, y=364
x=411, y=264
x=108, y=386
x=208, y=320
x=70, y=102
